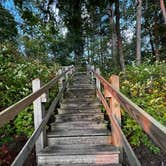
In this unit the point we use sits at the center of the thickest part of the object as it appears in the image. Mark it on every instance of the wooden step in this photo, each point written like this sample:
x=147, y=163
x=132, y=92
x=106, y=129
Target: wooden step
x=92, y=140
x=72, y=164
x=81, y=100
x=79, y=125
x=87, y=85
x=79, y=136
x=79, y=96
x=79, y=132
x=78, y=110
x=80, y=105
x=79, y=116
x=74, y=100
x=81, y=89
x=79, y=154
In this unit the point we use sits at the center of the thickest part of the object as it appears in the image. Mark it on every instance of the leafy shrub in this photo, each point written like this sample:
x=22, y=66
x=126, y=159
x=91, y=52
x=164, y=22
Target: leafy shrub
x=145, y=85
x=17, y=74
x=5, y=156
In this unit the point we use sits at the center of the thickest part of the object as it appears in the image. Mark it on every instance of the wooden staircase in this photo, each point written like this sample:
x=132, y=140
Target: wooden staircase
x=79, y=135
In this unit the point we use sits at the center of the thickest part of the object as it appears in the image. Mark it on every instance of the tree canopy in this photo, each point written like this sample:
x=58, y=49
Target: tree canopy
x=100, y=32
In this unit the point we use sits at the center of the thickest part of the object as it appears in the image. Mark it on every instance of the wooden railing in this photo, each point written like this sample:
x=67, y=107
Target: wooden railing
x=151, y=127
x=35, y=97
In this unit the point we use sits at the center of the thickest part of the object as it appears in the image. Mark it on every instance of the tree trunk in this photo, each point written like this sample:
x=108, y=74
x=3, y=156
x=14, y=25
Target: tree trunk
x=152, y=44
x=138, y=32
x=119, y=37
x=114, y=39
x=162, y=6
x=156, y=34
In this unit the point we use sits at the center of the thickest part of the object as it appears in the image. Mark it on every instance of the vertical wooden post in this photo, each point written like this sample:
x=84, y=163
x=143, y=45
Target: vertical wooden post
x=39, y=112
x=115, y=110
x=92, y=75
x=114, y=104
x=98, y=86
x=66, y=75
x=60, y=82
x=88, y=70
x=72, y=70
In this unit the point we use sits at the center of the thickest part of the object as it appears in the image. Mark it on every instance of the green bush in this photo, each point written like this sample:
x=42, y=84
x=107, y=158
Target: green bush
x=145, y=85
x=17, y=74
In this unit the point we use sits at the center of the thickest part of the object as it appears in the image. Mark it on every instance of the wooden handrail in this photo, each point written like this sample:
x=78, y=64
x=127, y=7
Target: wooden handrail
x=10, y=112
x=119, y=133
x=23, y=154
x=151, y=126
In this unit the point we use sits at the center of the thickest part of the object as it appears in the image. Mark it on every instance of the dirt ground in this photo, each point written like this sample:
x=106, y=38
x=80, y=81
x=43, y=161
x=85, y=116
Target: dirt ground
x=147, y=158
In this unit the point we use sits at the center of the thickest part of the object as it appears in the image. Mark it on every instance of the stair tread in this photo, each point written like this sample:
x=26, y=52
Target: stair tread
x=76, y=125
x=78, y=118
x=79, y=135
x=77, y=111
x=83, y=100
x=79, y=149
x=79, y=125
x=81, y=96
x=79, y=132
x=81, y=103
x=72, y=164
x=80, y=122
x=97, y=140
x=80, y=107
x=81, y=114
x=76, y=108
x=65, y=128
x=80, y=88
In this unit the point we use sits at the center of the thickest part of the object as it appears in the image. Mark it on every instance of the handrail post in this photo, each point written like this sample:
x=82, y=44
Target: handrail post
x=92, y=74
x=67, y=74
x=60, y=82
x=114, y=104
x=115, y=110
x=39, y=111
x=98, y=85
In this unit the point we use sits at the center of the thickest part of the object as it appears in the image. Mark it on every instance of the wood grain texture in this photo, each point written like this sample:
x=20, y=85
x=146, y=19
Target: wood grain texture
x=22, y=156
x=151, y=126
x=119, y=134
x=39, y=113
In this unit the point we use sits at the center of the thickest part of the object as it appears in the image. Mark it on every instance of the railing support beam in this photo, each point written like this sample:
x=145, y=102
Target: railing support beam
x=39, y=111
x=114, y=104
x=115, y=111
x=60, y=82
x=98, y=86
x=92, y=74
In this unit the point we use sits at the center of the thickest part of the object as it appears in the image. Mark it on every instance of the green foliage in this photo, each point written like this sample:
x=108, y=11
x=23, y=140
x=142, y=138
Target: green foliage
x=8, y=30
x=24, y=122
x=145, y=85
x=17, y=74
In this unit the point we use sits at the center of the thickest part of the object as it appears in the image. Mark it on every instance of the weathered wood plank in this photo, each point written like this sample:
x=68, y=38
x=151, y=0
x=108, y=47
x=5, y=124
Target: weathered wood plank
x=22, y=156
x=151, y=126
x=119, y=134
x=10, y=112
x=98, y=86
x=39, y=113
x=115, y=110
